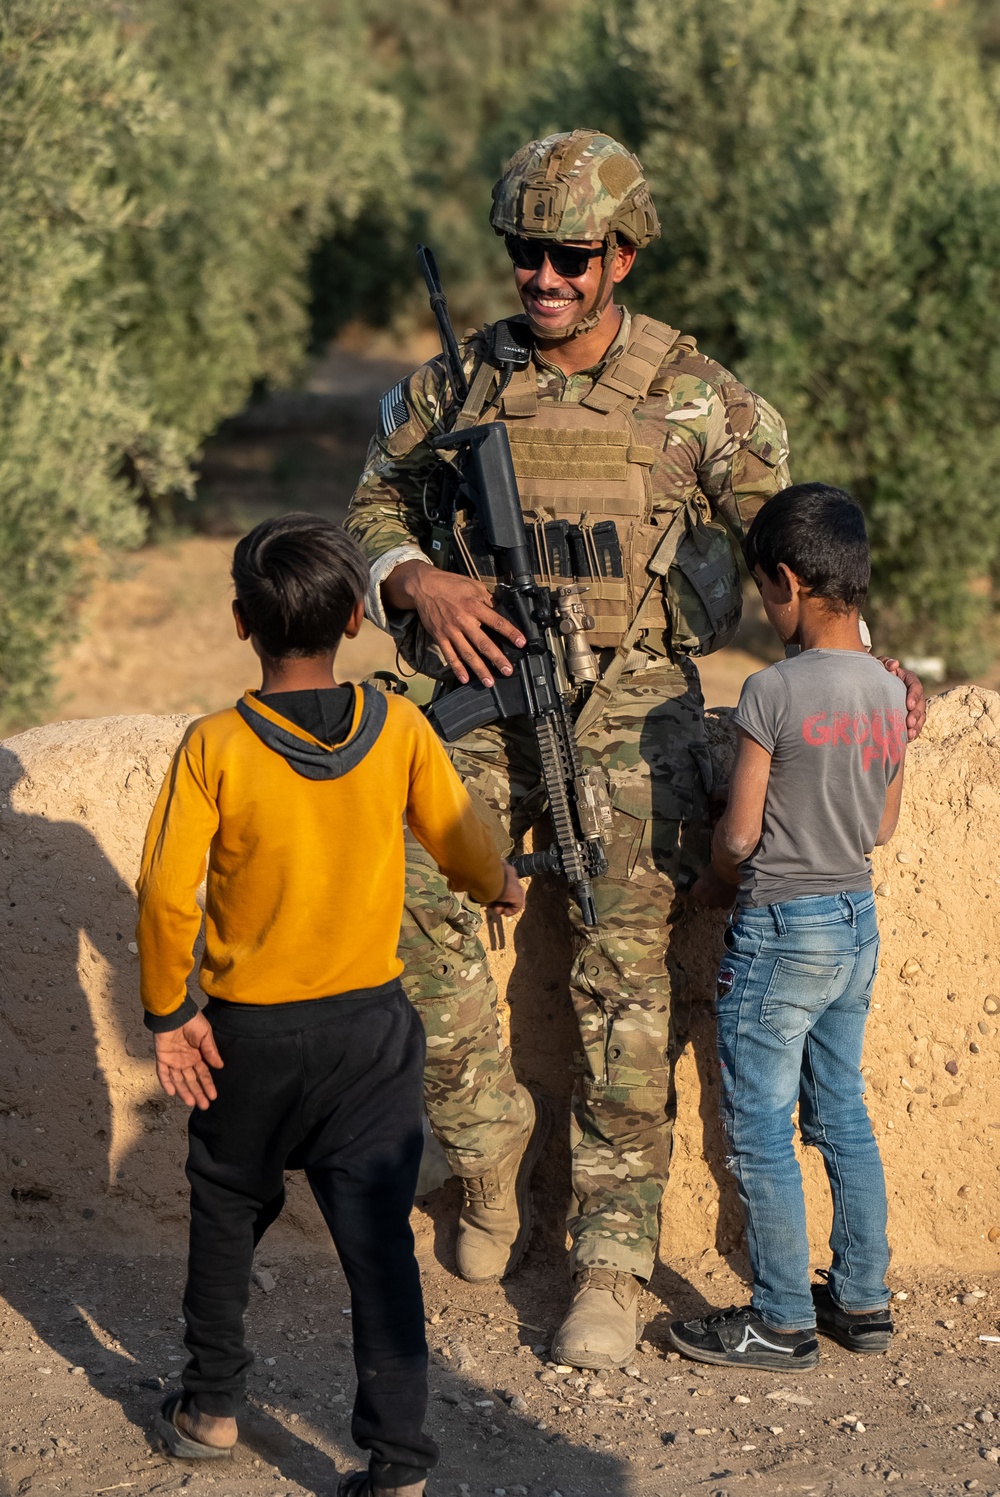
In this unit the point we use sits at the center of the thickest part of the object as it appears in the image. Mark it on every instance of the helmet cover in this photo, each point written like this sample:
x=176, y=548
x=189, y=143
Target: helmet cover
x=577, y=186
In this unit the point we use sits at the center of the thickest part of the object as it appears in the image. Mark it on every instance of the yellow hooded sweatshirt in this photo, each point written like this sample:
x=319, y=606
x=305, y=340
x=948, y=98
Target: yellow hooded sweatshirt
x=304, y=841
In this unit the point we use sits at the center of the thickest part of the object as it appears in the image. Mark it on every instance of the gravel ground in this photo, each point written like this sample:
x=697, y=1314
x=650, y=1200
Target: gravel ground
x=89, y=1343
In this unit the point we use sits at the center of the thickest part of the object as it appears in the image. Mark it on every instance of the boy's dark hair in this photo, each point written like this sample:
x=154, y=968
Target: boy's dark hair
x=298, y=578
x=819, y=533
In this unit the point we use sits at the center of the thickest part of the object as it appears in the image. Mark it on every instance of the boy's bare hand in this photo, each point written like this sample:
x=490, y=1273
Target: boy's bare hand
x=183, y=1057
x=713, y=892
x=510, y=900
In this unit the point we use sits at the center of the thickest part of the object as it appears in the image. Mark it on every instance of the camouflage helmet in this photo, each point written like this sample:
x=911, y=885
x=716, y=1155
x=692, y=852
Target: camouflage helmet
x=580, y=185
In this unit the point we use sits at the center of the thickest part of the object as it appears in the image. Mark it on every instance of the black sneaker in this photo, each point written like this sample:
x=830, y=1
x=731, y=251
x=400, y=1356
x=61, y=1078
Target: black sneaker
x=864, y=1333
x=738, y=1337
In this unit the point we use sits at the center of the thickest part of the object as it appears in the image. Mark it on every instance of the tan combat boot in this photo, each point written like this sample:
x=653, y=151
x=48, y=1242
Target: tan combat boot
x=494, y=1227
x=601, y=1327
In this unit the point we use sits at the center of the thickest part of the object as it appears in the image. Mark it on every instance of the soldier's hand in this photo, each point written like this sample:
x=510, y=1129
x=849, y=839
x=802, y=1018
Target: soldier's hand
x=916, y=702
x=456, y=612
x=510, y=900
x=183, y=1057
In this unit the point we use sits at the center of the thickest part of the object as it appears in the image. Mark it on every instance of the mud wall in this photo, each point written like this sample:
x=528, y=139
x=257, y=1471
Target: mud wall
x=91, y=1152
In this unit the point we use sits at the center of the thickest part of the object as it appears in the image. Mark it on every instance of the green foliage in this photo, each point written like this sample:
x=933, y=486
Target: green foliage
x=456, y=67
x=165, y=180
x=828, y=177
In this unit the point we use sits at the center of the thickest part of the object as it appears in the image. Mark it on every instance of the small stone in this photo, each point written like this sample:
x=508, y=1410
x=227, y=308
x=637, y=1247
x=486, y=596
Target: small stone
x=452, y=1398
x=969, y=1299
x=992, y=1454
x=548, y=1376
x=703, y=1431
x=46, y=1453
x=901, y=1294
x=782, y=1395
x=949, y=1325
x=991, y=1004
x=984, y=1028
x=909, y=969
x=894, y=1476
x=133, y=947
x=985, y=1416
x=902, y=1382
x=994, y=1234
x=76, y=1371
x=499, y=1492
x=903, y=857
x=974, y=1049
x=519, y=1404
x=561, y=1367
x=951, y=1066
x=155, y=1383
x=598, y=1390
x=632, y=1372
x=270, y=1361
x=883, y=890
x=741, y=1398
x=264, y=1279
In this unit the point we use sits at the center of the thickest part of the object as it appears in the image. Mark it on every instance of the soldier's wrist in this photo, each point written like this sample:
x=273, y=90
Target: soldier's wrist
x=402, y=585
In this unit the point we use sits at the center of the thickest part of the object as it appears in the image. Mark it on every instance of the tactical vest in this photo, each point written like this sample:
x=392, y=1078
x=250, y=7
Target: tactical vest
x=584, y=477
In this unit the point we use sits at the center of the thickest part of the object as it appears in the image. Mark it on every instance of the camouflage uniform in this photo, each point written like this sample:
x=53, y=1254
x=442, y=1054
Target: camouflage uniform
x=720, y=447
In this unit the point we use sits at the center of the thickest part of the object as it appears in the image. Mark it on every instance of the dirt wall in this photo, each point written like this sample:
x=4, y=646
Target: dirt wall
x=91, y=1152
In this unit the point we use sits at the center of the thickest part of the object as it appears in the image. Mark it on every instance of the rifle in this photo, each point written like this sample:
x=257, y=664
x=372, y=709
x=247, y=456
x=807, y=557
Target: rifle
x=539, y=686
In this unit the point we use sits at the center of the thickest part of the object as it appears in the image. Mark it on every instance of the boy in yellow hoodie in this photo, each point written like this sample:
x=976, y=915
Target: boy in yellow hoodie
x=307, y=1054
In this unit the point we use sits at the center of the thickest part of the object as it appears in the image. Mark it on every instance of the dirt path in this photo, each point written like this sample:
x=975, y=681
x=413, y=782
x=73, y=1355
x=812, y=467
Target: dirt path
x=90, y=1343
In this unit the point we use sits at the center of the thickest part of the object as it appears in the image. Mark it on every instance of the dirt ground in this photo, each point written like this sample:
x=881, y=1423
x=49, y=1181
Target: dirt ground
x=90, y=1342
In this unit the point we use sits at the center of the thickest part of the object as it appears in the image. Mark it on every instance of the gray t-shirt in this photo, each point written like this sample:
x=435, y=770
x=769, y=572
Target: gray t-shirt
x=834, y=723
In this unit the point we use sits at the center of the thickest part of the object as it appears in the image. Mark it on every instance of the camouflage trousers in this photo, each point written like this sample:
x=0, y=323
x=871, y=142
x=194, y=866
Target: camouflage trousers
x=651, y=743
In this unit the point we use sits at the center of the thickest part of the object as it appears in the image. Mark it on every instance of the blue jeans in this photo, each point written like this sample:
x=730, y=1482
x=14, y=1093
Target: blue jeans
x=794, y=991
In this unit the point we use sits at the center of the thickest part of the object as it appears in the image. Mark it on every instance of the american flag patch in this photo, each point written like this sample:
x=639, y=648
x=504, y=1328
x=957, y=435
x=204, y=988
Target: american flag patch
x=392, y=410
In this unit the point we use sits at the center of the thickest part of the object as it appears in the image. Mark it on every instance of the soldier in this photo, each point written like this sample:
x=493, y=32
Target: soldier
x=629, y=445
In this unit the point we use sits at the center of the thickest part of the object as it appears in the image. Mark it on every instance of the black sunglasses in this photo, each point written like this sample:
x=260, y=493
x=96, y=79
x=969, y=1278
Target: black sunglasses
x=567, y=260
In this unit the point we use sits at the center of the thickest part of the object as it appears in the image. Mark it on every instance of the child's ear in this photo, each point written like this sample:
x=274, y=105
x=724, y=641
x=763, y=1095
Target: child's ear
x=787, y=583
x=242, y=631
x=353, y=626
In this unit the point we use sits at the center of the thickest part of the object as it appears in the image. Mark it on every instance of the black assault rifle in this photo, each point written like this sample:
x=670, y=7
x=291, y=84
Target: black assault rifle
x=539, y=687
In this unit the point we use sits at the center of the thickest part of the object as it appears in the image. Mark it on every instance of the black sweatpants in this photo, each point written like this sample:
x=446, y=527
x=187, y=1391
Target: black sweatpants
x=333, y=1087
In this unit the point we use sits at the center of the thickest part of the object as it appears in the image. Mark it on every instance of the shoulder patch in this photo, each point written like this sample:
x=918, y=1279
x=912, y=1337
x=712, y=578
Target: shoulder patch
x=393, y=412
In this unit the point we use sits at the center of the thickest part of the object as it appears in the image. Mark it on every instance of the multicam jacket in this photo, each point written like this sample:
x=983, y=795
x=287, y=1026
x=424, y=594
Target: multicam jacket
x=708, y=443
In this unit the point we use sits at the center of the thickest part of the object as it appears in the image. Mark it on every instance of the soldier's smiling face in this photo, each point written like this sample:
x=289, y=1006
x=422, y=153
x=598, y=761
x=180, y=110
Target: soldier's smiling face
x=556, y=303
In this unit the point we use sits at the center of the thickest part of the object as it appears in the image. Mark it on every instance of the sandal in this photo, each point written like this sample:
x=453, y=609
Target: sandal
x=354, y=1484
x=181, y=1445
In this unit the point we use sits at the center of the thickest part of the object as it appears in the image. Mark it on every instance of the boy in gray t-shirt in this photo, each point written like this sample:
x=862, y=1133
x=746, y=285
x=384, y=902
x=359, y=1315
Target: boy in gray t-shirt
x=816, y=784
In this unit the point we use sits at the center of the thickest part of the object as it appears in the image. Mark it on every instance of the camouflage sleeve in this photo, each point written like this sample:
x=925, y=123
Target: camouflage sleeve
x=390, y=504
x=745, y=460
